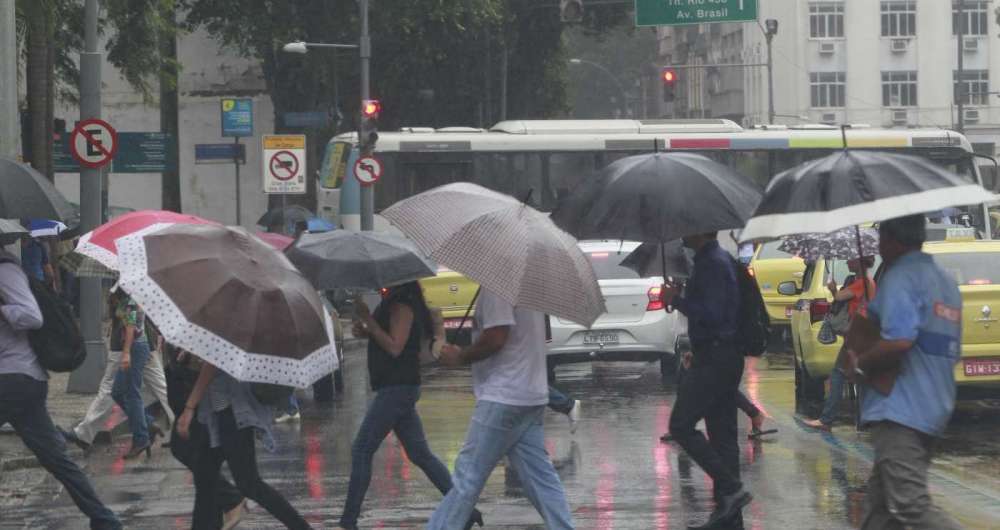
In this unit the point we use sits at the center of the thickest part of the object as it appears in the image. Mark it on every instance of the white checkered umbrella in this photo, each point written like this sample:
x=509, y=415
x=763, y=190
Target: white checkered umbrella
x=509, y=248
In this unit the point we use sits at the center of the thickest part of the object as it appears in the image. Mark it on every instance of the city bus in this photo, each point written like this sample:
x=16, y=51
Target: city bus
x=542, y=161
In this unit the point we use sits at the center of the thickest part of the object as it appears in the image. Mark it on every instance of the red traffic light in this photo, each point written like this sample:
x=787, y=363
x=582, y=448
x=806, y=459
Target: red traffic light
x=370, y=108
x=669, y=76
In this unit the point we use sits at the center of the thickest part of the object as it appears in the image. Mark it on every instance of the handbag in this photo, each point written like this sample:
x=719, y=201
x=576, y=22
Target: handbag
x=835, y=323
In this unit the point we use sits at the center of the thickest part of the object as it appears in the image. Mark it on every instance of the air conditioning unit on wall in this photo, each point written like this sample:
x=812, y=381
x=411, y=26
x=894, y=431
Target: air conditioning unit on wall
x=970, y=44
x=899, y=45
x=970, y=115
x=827, y=48
x=899, y=117
x=828, y=118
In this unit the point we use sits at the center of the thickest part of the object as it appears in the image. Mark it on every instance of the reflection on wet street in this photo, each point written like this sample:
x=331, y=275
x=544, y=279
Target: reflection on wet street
x=617, y=473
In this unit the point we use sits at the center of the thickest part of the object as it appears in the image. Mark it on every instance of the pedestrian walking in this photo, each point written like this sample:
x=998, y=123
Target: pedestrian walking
x=24, y=390
x=395, y=332
x=127, y=387
x=509, y=381
x=182, y=373
x=35, y=260
x=709, y=389
x=857, y=290
x=233, y=418
x=154, y=389
x=919, y=310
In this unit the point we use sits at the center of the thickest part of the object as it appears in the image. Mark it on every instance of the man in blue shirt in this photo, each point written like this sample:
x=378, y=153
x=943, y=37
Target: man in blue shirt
x=919, y=311
x=709, y=389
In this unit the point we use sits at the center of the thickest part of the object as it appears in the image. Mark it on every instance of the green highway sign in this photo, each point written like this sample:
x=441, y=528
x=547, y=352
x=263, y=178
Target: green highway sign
x=679, y=12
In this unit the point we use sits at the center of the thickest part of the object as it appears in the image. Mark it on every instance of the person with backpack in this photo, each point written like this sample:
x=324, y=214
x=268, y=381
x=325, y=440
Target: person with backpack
x=24, y=390
x=712, y=302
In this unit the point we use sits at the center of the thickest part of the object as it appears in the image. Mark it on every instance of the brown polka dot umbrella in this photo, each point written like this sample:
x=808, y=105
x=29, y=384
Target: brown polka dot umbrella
x=231, y=299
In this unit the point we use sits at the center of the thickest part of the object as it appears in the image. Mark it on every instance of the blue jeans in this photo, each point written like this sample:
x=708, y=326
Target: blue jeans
x=497, y=430
x=292, y=407
x=22, y=404
x=127, y=393
x=832, y=403
x=394, y=409
x=559, y=402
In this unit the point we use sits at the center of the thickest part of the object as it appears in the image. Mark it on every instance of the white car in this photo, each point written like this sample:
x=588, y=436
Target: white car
x=636, y=326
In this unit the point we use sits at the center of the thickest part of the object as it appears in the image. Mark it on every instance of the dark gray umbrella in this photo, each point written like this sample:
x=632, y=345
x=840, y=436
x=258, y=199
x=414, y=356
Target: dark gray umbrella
x=26, y=194
x=11, y=231
x=341, y=258
x=652, y=259
x=285, y=215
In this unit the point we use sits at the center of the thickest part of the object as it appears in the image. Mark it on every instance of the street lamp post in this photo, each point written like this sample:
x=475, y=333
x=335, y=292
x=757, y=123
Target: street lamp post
x=621, y=88
x=770, y=30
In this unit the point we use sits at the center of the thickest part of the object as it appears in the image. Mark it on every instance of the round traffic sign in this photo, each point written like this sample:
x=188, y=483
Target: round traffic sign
x=284, y=165
x=93, y=143
x=367, y=170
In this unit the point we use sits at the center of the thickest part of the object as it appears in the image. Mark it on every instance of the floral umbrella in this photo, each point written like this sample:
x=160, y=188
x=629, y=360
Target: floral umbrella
x=839, y=244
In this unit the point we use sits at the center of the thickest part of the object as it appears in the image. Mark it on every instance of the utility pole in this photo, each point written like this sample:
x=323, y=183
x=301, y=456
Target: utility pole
x=86, y=378
x=9, y=121
x=960, y=92
x=367, y=192
x=770, y=30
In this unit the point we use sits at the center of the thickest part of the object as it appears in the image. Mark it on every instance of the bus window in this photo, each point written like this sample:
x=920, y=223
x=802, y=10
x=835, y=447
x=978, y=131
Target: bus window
x=407, y=174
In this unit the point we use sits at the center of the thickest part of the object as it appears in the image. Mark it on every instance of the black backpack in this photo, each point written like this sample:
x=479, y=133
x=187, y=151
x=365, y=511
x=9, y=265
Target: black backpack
x=755, y=324
x=58, y=343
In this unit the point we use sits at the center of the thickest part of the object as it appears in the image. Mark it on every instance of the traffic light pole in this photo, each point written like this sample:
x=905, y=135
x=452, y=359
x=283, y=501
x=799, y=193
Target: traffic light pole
x=367, y=192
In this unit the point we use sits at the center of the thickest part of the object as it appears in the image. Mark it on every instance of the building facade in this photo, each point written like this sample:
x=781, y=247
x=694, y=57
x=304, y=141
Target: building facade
x=888, y=63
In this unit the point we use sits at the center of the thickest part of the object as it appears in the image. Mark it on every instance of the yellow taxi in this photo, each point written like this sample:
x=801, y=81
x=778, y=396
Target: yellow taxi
x=771, y=267
x=974, y=264
x=452, y=293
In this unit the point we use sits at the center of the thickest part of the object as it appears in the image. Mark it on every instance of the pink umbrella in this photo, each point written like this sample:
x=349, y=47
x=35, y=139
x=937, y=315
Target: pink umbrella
x=99, y=243
x=278, y=241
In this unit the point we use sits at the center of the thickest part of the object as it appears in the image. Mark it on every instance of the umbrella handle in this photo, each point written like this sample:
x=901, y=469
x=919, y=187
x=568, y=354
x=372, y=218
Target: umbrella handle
x=663, y=264
x=468, y=311
x=861, y=259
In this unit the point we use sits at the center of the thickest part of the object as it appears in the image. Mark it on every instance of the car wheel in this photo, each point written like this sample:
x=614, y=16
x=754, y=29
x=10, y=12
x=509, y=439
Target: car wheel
x=338, y=380
x=810, y=389
x=550, y=372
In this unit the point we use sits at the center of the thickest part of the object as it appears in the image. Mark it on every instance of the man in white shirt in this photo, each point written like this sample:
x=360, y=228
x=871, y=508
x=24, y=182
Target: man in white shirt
x=509, y=381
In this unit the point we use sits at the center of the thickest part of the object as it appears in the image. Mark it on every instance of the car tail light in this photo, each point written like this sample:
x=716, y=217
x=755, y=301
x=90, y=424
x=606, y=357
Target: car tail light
x=655, y=299
x=818, y=309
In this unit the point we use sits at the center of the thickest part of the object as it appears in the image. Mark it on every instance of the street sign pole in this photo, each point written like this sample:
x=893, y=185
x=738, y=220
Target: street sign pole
x=87, y=377
x=236, y=164
x=367, y=192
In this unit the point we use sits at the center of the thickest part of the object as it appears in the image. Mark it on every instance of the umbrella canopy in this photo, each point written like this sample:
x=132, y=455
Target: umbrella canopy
x=359, y=259
x=509, y=248
x=26, y=194
x=45, y=228
x=278, y=241
x=285, y=215
x=841, y=244
x=100, y=245
x=850, y=188
x=11, y=231
x=652, y=259
x=231, y=299
x=659, y=197
x=85, y=267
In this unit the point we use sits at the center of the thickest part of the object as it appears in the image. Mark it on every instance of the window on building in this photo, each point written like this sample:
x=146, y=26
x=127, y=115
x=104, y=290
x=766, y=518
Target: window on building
x=899, y=89
x=974, y=87
x=899, y=18
x=826, y=20
x=974, y=20
x=827, y=89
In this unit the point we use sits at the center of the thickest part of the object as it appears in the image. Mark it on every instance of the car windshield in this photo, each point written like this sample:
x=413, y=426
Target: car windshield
x=971, y=268
x=606, y=266
x=770, y=251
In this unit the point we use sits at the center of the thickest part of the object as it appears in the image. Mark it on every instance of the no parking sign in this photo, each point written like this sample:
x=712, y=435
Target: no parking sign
x=284, y=163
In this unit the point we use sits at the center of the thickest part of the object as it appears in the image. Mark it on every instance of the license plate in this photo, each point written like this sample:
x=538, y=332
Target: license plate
x=981, y=367
x=600, y=337
x=453, y=323
x=788, y=311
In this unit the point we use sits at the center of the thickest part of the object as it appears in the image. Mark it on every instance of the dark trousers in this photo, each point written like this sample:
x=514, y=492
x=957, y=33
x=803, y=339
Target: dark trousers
x=394, y=409
x=237, y=449
x=709, y=391
x=22, y=404
x=188, y=451
x=743, y=403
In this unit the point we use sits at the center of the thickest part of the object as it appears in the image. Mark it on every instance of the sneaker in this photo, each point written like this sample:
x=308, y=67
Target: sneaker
x=574, y=415
x=232, y=518
x=816, y=424
x=286, y=417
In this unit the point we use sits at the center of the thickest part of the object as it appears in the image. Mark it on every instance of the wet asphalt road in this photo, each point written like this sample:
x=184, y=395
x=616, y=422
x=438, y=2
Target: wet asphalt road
x=616, y=472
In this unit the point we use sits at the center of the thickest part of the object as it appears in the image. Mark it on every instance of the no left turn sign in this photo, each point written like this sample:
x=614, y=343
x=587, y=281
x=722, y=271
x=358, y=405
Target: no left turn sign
x=93, y=143
x=367, y=170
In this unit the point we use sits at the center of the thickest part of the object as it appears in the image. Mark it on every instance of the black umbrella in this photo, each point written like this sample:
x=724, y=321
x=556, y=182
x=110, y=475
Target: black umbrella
x=657, y=198
x=341, y=258
x=851, y=188
x=26, y=194
x=667, y=260
x=285, y=215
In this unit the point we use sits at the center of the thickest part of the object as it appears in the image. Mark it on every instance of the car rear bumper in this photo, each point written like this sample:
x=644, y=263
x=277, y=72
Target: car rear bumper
x=979, y=366
x=570, y=357
x=655, y=333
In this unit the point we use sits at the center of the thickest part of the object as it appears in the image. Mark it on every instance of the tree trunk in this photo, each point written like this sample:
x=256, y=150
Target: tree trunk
x=37, y=88
x=169, y=103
